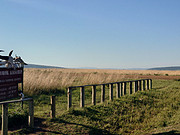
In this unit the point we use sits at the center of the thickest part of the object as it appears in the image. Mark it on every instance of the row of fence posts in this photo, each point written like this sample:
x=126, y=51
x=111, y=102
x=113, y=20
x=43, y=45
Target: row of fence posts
x=121, y=90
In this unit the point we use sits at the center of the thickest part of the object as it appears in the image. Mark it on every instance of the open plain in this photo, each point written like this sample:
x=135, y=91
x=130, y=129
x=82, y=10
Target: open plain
x=155, y=111
x=41, y=80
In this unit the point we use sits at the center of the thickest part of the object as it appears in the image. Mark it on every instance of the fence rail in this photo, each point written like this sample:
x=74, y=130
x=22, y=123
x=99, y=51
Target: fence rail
x=121, y=90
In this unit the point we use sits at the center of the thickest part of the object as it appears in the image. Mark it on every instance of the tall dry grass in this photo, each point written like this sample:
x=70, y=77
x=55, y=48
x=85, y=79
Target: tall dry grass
x=46, y=80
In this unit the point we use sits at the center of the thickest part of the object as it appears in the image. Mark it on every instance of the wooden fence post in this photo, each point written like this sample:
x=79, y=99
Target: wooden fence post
x=144, y=85
x=53, y=106
x=111, y=91
x=130, y=87
x=140, y=85
x=135, y=86
x=31, y=114
x=69, y=95
x=94, y=95
x=117, y=90
x=150, y=83
x=82, y=96
x=102, y=93
x=121, y=89
x=4, y=130
x=147, y=84
x=124, y=88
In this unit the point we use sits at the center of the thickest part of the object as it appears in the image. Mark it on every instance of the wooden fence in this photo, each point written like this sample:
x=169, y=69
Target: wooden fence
x=4, y=129
x=121, y=90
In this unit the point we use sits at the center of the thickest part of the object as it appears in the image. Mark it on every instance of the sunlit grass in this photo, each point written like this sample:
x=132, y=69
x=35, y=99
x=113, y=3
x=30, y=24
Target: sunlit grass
x=38, y=81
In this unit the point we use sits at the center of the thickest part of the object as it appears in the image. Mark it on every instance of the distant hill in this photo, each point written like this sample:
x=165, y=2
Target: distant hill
x=166, y=68
x=156, y=68
x=40, y=66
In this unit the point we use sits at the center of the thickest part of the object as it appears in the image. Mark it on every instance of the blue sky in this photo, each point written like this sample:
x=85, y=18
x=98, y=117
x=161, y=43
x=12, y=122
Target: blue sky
x=92, y=33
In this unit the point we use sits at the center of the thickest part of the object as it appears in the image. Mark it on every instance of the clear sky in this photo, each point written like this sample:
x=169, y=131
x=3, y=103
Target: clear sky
x=92, y=33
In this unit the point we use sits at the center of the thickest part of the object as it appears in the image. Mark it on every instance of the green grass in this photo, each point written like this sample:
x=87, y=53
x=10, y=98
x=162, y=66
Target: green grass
x=146, y=112
x=136, y=114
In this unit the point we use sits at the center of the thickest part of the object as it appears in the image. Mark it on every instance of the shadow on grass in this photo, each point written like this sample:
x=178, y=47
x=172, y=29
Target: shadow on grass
x=39, y=129
x=35, y=131
x=173, y=132
x=92, y=130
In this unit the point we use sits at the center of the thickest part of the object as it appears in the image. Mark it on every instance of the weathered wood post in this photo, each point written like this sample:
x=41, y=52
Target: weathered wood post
x=117, y=90
x=102, y=93
x=53, y=107
x=31, y=114
x=150, y=83
x=69, y=95
x=124, y=88
x=4, y=130
x=147, y=84
x=135, y=86
x=94, y=95
x=144, y=85
x=140, y=85
x=121, y=89
x=130, y=87
x=111, y=91
x=82, y=96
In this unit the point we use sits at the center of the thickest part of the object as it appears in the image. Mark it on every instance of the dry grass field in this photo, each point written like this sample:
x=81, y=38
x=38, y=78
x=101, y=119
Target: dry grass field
x=37, y=81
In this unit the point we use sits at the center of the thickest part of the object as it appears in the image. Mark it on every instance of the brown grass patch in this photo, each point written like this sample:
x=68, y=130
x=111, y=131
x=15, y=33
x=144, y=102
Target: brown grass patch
x=46, y=80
